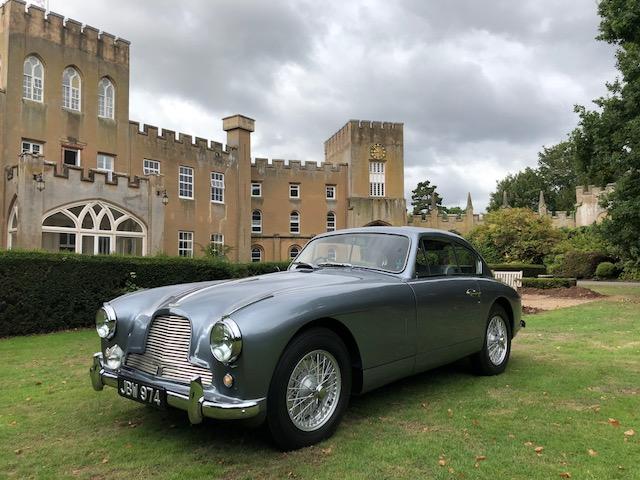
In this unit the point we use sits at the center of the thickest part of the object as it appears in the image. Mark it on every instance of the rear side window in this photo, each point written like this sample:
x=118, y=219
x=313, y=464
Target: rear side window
x=436, y=258
x=468, y=261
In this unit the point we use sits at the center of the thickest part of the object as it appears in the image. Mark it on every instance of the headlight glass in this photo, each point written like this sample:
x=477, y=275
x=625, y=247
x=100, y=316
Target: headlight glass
x=226, y=340
x=106, y=322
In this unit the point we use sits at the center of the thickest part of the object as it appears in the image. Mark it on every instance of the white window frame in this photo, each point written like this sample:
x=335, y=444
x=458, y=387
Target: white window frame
x=256, y=186
x=185, y=182
x=291, y=250
x=217, y=239
x=71, y=95
x=376, y=179
x=97, y=211
x=33, y=79
x=294, y=190
x=35, y=148
x=217, y=187
x=107, y=161
x=331, y=222
x=185, y=243
x=332, y=189
x=106, y=98
x=256, y=223
x=77, y=150
x=256, y=258
x=150, y=167
x=294, y=222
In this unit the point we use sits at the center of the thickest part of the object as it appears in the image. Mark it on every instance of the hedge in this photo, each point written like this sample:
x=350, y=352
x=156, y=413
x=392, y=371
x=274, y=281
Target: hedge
x=579, y=264
x=549, y=282
x=528, y=269
x=43, y=292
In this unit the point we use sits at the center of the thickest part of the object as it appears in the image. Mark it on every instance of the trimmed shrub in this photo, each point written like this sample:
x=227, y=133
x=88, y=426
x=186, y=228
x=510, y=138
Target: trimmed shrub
x=606, y=270
x=630, y=271
x=528, y=270
x=549, y=282
x=578, y=264
x=44, y=292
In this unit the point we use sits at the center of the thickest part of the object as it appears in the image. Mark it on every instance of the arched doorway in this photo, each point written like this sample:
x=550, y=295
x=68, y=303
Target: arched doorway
x=378, y=223
x=12, y=227
x=92, y=228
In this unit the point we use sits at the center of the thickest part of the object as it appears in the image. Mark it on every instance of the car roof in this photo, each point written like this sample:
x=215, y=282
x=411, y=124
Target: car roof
x=407, y=231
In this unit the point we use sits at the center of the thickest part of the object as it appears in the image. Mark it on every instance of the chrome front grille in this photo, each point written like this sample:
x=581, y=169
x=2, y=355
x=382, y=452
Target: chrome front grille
x=167, y=351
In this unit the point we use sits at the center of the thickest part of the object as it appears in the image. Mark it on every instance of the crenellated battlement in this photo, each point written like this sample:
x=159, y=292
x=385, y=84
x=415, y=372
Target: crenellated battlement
x=376, y=125
x=55, y=28
x=592, y=191
x=345, y=136
x=264, y=166
x=154, y=133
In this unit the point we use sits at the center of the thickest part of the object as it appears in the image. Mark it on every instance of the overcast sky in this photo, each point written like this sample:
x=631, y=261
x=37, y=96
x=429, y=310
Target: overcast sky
x=479, y=85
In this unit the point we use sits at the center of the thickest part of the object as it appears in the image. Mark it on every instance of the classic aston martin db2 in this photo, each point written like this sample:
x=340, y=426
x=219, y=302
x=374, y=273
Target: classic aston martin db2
x=356, y=309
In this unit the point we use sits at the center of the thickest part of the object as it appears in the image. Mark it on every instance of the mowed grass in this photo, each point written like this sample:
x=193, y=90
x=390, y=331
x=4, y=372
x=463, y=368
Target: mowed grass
x=571, y=371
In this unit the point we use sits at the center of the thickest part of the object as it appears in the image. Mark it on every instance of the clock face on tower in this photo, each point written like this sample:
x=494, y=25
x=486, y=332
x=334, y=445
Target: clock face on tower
x=377, y=151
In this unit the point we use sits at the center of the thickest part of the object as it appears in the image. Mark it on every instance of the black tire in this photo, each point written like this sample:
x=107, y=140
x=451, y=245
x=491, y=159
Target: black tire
x=481, y=361
x=283, y=430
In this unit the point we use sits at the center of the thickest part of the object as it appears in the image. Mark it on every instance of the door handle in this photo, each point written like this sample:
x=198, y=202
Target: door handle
x=473, y=293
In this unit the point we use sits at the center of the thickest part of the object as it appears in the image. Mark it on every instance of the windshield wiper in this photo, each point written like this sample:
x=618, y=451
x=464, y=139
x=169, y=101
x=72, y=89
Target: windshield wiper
x=335, y=264
x=303, y=265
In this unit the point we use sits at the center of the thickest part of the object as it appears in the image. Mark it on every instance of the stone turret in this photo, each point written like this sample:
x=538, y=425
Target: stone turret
x=469, y=208
x=542, y=205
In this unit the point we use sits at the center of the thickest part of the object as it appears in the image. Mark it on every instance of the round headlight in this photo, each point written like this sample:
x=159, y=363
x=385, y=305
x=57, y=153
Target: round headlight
x=106, y=322
x=226, y=340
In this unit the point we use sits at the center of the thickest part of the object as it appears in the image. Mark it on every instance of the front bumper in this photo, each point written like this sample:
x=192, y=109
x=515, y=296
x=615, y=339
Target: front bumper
x=194, y=399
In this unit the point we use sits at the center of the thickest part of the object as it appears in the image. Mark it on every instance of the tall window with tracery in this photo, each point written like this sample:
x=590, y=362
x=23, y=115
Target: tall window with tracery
x=33, y=79
x=376, y=179
x=71, y=89
x=106, y=98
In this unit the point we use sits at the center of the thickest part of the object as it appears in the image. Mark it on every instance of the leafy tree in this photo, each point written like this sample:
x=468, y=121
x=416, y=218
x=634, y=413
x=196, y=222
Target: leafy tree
x=514, y=235
x=523, y=190
x=452, y=210
x=557, y=168
x=608, y=139
x=217, y=251
x=422, y=198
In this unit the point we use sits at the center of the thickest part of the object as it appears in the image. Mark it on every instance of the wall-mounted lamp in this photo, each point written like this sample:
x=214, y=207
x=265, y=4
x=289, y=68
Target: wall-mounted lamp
x=165, y=197
x=37, y=177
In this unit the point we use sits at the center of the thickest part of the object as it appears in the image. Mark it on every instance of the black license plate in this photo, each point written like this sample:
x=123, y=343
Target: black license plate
x=142, y=392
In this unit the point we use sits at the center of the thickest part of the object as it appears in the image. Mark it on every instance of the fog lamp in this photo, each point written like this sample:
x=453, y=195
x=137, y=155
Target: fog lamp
x=113, y=357
x=228, y=380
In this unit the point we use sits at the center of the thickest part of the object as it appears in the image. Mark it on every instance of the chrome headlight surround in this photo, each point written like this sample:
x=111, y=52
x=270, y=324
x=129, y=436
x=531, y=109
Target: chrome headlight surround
x=225, y=340
x=106, y=322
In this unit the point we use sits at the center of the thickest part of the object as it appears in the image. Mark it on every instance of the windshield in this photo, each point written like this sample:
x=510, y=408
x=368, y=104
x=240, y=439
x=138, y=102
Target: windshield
x=379, y=251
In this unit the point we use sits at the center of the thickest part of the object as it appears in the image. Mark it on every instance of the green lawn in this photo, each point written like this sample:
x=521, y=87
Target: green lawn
x=571, y=371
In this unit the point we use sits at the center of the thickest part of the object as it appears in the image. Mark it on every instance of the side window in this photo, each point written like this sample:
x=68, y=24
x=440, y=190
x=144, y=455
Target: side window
x=468, y=261
x=436, y=258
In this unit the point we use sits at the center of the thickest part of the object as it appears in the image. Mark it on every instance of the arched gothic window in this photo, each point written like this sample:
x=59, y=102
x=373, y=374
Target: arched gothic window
x=33, y=79
x=12, y=227
x=71, y=89
x=106, y=98
x=93, y=228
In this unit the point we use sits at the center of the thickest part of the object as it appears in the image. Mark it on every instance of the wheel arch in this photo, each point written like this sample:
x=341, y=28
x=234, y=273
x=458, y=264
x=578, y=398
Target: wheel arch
x=349, y=340
x=506, y=305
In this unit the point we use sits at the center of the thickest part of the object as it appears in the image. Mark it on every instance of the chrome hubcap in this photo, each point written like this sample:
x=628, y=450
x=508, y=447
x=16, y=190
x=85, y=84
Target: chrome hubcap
x=497, y=340
x=313, y=391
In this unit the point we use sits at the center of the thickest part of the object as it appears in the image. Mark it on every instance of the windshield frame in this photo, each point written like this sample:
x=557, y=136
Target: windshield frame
x=365, y=267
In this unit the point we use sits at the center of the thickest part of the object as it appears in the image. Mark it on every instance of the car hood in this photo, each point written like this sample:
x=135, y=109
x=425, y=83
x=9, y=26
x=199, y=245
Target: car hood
x=217, y=299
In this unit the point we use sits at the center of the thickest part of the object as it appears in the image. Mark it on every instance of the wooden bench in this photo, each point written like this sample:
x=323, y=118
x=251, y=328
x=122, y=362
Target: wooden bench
x=513, y=279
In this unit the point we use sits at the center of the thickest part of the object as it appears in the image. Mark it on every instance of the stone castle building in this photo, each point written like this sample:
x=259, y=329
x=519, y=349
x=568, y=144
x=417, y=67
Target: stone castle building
x=79, y=176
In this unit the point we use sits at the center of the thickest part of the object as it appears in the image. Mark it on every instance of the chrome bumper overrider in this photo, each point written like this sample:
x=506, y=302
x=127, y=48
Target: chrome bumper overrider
x=197, y=402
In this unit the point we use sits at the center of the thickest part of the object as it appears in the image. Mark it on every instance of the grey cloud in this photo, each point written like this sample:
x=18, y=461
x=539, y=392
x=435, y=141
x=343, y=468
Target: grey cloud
x=480, y=86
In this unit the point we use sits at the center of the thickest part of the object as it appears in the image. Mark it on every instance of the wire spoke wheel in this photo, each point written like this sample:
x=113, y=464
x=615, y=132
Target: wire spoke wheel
x=313, y=390
x=497, y=340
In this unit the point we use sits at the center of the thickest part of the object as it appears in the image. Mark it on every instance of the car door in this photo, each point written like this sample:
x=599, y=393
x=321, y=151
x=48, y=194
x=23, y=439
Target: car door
x=447, y=302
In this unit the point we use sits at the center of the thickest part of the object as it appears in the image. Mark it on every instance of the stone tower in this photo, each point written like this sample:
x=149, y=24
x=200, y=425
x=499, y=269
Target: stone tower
x=374, y=153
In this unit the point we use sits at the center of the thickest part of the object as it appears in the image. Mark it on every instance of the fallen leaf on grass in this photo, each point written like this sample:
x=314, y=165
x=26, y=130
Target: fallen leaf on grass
x=480, y=458
x=565, y=475
x=613, y=422
x=442, y=462
x=630, y=433
x=538, y=450
x=592, y=452
x=475, y=422
x=327, y=451
x=105, y=460
x=449, y=412
x=528, y=444
x=17, y=451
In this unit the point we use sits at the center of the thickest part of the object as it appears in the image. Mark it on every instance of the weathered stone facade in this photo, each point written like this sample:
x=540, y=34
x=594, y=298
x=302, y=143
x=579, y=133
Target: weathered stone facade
x=100, y=183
